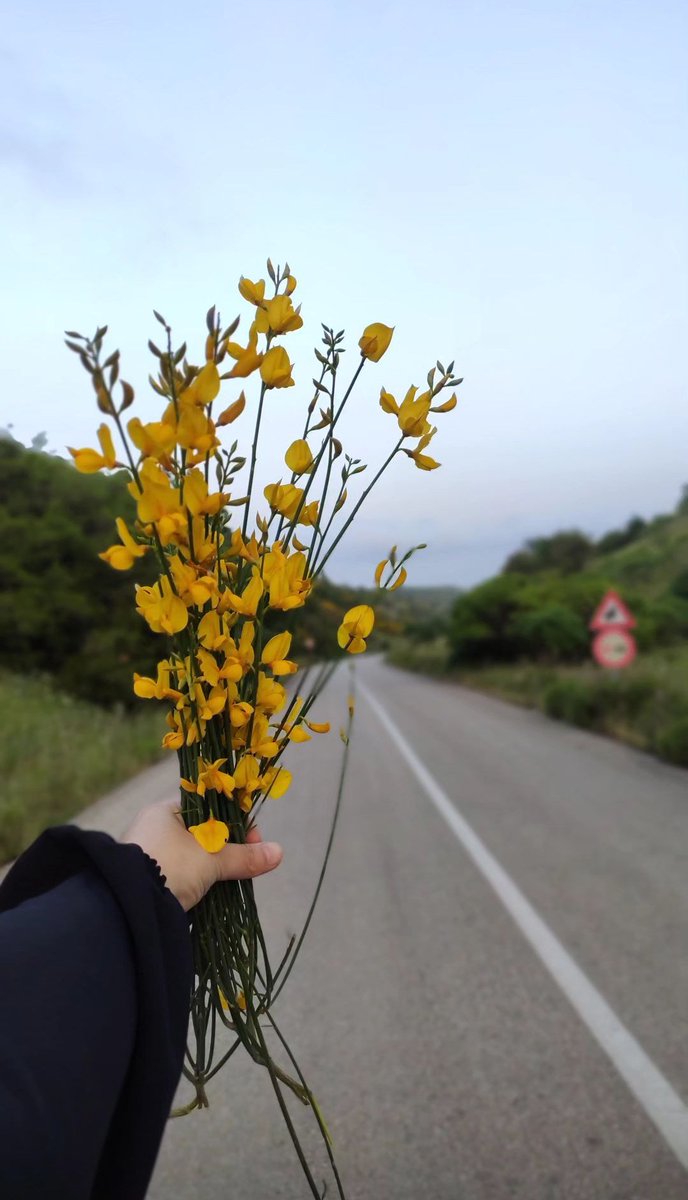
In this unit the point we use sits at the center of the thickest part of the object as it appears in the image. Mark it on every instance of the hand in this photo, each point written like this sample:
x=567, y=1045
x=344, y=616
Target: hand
x=189, y=869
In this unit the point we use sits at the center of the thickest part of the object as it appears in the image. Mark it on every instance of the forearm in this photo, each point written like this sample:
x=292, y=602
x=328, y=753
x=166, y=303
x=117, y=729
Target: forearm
x=67, y=1030
x=96, y=975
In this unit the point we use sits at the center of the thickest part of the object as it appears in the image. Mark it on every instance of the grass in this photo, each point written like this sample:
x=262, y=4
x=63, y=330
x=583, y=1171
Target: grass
x=645, y=705
x=58, y=754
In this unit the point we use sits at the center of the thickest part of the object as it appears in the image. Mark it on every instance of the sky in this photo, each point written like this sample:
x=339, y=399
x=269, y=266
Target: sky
x=504, y=182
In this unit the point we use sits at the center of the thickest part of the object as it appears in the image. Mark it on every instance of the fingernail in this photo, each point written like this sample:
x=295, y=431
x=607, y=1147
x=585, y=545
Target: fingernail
x=272, y=852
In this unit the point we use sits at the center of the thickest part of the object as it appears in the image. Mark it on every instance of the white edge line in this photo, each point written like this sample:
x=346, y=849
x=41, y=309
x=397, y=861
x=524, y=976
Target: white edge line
x=653, y=1092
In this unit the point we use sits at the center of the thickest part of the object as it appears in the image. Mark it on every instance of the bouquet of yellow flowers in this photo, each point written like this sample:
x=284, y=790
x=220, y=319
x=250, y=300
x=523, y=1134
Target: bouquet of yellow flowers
x=228, y=572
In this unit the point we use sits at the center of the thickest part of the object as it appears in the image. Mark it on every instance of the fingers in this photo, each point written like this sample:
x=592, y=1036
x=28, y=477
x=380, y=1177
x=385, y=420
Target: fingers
x=246, y=862
x=253, y=835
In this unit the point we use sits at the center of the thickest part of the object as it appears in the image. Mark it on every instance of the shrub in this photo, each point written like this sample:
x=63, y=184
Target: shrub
x=661, y=622
x=481, y=621
x=574, y=701
x=553, y=633
x=672, y=742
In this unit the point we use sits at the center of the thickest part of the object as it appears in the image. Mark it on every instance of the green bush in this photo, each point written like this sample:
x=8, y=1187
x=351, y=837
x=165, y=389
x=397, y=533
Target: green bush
x=430, y=657
x=672, y=742
x=574, y=701
x=662, y=622
x=62, y=610
x=679, y=585
x=552, y=633
x=482, y=618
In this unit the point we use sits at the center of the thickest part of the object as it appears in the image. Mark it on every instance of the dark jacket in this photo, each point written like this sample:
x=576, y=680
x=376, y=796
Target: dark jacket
x=95, y=977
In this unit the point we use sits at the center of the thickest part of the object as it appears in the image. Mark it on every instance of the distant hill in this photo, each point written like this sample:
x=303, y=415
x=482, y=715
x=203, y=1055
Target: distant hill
x=655, y=562
x=539, y=607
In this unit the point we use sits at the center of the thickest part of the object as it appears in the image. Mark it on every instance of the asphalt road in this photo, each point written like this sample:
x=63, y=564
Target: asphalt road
x=448, y=1060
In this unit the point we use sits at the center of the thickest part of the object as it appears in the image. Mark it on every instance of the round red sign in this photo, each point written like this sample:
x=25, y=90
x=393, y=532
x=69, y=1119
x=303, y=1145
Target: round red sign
x=614, y=648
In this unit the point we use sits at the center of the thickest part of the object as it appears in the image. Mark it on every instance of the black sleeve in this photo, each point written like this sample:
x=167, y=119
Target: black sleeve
x=95, y=978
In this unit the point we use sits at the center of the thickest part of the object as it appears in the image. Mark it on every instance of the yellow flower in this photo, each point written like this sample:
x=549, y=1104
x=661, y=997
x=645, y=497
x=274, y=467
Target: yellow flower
x=284, y=498
x=275, y=654
x=242, y=655
x=123, y=557
x=193, y=586
x=298, y=457
x=275, y=369
x=262, y=742
x=248, y=358
x=375, y=340
x=270, y=695
x=240, y=714
x=164, y=612
x=279, y=316
x=212, y=631
x=246, y=603
x=157, y=498
x=89, y=461
x=247, y=780
x=196, y=497
x=288, y=588
x=211, y=835
x=413, y=413
x=276, y=780
x=196, y=431
x=309, y=514
x=423, y=461
x=155, y=440
x=209, y=706
x=203, y=388
x=356, y=626
x=173, y=740
x=156, y=689
x=253, y=292
x=210, y=778
x=297, y=733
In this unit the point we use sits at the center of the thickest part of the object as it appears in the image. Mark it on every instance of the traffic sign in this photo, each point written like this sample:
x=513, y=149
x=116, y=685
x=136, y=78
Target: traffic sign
x=614, y=648
x=612, y=613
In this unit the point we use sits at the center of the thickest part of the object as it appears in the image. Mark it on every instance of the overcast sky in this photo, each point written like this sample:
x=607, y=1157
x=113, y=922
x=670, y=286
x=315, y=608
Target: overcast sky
x=504, y=182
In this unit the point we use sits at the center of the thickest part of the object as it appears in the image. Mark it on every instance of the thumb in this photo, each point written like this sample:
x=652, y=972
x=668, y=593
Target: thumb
x=245, y=862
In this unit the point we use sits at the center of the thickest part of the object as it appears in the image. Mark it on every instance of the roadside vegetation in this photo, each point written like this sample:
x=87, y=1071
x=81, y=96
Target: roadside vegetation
x=524, y=636
x=58, y=754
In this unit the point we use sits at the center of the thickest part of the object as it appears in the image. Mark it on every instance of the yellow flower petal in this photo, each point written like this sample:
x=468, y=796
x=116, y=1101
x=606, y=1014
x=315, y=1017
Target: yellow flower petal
x=253, y=292
x=375, y=340
x=232, y=412
x=298, y=457
x=212, y=835
x=276, y=368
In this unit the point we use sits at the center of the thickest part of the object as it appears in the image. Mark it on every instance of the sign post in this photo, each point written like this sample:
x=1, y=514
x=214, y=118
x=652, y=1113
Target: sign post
x=613, y=646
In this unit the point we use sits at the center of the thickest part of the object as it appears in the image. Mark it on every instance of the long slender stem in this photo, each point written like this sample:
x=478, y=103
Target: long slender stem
x=356, y=508
x=254, y=456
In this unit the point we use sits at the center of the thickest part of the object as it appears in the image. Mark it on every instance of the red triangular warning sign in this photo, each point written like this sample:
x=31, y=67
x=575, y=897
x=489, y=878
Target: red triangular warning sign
x=612, y=613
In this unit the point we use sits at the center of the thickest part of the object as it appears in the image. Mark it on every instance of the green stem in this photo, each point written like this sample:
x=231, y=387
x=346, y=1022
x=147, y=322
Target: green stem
x=356, y=508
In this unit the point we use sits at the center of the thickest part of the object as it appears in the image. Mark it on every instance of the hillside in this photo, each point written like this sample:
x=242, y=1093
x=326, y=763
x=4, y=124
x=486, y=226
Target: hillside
x=524, y=633
x=652, y=564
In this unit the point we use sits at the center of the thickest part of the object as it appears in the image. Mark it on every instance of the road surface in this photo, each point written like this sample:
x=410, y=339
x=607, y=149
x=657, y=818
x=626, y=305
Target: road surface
x=456, y=1051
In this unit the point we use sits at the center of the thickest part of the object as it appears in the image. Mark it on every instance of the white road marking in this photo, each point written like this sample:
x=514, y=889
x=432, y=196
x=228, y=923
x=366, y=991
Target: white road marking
x=653, y=1092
